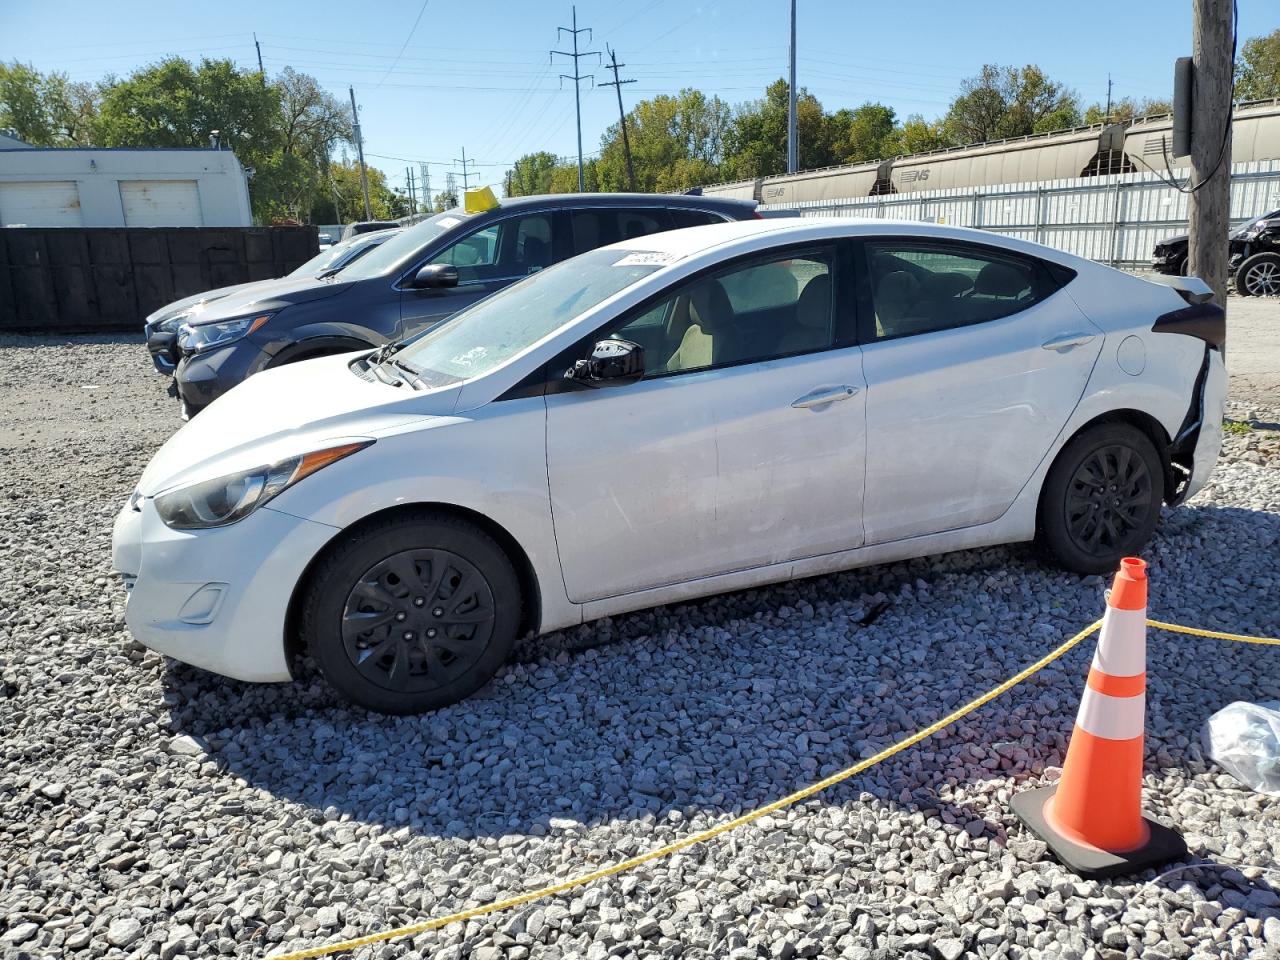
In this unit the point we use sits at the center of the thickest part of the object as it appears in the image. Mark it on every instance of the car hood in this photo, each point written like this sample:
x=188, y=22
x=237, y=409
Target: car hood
x=283, y=412
x=186, y=303
x=271, y=295
x=1174, y=241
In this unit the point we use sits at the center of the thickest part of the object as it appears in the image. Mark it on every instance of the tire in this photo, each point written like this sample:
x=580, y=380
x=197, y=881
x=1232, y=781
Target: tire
x=1182, y=267
x=405, y=576
x=1259, y=276
x=1123, y=517
x=298, y=356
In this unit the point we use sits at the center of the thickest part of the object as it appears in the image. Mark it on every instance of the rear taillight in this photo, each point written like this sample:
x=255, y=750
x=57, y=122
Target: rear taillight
x=756, y=214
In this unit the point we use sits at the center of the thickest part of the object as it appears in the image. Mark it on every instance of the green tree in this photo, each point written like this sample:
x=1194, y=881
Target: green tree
x=676, y=141
x=756, y=145
x=867, y=133
x=1258, y=68
x=916, y=135
x=384, y=203
x=45, y=110
x=1005, y=102
x=1126, y=109
x=531, y=174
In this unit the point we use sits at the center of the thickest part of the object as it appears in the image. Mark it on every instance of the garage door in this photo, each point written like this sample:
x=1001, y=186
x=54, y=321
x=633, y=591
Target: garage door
x=40, y=203
x=160, y=203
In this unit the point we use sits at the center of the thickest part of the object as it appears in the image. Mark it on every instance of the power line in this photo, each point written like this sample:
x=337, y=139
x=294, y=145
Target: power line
x=408, y=37
x=577, y=76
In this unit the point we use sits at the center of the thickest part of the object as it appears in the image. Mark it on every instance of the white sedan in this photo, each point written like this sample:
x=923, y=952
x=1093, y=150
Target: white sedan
x=673, y=416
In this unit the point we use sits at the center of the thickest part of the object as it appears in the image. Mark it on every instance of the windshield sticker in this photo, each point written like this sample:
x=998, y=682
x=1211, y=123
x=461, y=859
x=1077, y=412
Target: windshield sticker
x=648, y=258
x=449, y=222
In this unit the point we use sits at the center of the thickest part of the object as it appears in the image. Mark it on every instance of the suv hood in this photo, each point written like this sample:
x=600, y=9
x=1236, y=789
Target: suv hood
x=270, y=295
x=283, y=412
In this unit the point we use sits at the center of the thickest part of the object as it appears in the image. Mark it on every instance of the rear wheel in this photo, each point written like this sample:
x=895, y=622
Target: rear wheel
x=412, y=613
x=1101, y=500
x=1259, y=276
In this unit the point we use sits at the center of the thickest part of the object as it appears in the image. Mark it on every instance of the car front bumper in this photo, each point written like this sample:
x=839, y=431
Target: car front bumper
x=216, y=599
x=202, y=378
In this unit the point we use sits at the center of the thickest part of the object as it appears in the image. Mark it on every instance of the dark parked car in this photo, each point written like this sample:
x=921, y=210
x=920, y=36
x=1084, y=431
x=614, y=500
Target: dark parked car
x=161, y=327
x=1254, y=257
x=416, y=279
x=367, y=226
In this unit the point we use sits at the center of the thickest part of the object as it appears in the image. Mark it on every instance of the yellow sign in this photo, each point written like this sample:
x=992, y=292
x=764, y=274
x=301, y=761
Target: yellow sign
x=479, y=200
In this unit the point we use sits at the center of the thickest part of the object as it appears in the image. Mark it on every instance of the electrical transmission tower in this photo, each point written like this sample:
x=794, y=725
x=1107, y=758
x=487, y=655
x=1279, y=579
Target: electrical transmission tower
x=622, y=116
x=576, y=76
x=428, y=205
x=464, y=161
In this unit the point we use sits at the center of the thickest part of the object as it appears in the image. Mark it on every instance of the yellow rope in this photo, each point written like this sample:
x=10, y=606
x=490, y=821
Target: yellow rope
x=712, y=832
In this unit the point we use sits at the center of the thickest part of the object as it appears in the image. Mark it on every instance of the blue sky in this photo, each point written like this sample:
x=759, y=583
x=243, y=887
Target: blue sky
x=477, y=75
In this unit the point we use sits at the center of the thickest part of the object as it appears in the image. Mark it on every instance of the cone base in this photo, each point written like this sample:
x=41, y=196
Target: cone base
x=1163, y=846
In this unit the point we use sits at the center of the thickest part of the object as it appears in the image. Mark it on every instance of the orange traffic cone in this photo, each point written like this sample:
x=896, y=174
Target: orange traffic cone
x=1092, y=817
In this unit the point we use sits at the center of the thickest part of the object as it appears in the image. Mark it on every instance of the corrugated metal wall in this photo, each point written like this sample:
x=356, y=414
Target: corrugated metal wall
x=1115, y=219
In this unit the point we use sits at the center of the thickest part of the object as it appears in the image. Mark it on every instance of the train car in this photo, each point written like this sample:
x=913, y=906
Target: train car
x=1091, y=151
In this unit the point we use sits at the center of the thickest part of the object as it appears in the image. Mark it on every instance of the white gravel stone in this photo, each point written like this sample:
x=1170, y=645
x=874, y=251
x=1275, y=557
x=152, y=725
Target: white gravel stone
x=159, y=810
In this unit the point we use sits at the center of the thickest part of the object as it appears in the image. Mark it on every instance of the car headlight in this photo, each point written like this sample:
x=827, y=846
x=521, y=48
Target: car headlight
x=224, y=500
x=196, y=337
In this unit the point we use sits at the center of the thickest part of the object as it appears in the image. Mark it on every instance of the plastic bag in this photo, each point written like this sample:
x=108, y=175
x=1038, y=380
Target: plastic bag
x=1244, y=739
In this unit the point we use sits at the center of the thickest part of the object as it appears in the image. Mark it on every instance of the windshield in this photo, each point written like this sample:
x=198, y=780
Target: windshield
x=480, y=339
x=323, y=260
x=1274, y=214
x=393, y=254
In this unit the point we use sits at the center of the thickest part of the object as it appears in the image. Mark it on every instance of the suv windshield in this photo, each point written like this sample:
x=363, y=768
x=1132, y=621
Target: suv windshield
x=393, y=254
x=478, y=340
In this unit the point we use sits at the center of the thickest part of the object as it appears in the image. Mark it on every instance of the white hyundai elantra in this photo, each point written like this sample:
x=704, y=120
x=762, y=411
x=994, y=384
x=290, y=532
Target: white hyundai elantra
x=677, y=415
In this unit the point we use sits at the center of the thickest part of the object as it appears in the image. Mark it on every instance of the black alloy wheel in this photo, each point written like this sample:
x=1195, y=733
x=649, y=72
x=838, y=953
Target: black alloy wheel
x=1101, y=501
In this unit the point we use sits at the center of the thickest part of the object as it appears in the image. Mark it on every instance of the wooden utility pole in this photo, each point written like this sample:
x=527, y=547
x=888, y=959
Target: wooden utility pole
x=1210, y=201
x=364, y=173
x=622, y=114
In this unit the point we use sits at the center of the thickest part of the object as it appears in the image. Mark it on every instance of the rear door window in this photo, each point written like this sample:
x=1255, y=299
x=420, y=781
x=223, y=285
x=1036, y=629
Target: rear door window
x=920, y=288
x=601, y=227
x=693, y=218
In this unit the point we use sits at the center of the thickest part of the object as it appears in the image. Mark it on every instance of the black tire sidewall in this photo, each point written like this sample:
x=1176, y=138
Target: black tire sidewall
x=1242, y=287
x=332, y=582
x=1054, y=534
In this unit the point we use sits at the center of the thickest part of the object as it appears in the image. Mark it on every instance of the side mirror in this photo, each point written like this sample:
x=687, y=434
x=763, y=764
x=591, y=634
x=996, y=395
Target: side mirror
x=613, y=363
x=436, y=275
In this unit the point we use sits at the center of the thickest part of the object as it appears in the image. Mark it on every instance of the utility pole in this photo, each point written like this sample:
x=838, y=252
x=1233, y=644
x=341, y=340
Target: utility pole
x=464, y=161
x=622, y=116
x=1211, y=54
x=258, y=46
x=576, y=77
x=1106, y=117
x=413, y=197
x=793, y=144
x=364, y=174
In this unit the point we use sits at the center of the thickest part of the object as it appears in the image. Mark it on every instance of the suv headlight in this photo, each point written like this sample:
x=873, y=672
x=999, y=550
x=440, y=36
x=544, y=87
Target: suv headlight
x=224, y=500
x=197, y=337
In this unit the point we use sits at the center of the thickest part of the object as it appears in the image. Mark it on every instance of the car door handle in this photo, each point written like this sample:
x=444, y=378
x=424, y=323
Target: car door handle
x=1067, y=341
x=825, y=395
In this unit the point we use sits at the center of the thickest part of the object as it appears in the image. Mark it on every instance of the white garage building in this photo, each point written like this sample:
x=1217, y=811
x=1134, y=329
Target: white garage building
x=121, y=187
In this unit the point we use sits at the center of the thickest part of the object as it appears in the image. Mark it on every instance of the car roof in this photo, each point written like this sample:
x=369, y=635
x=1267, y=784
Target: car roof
x=694, y=201
x=694, y=240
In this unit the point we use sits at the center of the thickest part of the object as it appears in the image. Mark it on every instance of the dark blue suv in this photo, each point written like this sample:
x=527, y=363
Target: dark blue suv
x=416, y=279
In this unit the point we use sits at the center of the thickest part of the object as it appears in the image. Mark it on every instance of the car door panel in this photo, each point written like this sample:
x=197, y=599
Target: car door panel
x=958, y=419
x=709, y=466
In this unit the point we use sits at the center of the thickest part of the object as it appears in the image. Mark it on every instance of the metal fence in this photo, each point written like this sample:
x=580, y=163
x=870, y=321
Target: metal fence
x=1114, y=219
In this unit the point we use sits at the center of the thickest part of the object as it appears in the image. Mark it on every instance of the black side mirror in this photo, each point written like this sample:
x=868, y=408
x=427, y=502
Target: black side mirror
x=436, y=275
x=613, y=363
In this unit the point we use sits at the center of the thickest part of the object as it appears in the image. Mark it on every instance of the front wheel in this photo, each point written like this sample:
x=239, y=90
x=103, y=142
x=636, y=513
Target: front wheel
x=1259, y=276
x=412, y=613
x=1101, y=500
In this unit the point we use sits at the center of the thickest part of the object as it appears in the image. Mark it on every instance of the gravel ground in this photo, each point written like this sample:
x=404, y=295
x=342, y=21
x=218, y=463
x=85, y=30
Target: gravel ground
x=147, y=808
